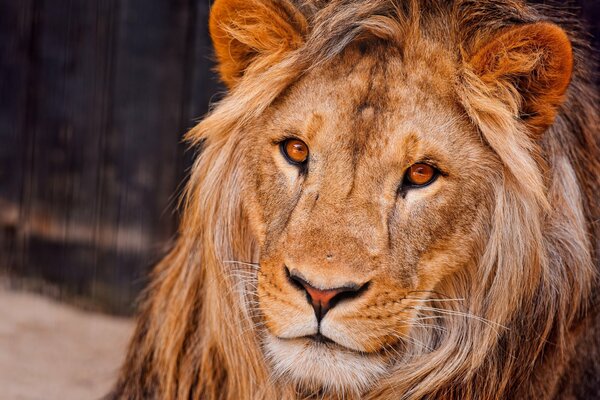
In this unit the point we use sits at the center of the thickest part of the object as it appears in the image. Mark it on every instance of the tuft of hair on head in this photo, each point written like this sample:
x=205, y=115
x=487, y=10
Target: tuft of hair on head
x=529, y=67
x=253, y=34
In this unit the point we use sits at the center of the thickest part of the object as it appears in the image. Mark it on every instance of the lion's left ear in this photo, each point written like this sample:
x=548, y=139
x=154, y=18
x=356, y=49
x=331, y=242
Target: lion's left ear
x=532, y=62
x=248, y=32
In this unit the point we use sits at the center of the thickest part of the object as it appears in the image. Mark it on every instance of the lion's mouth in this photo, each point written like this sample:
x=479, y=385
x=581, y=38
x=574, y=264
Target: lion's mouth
x=319, y=338
x=322, y=341
x=316, y=339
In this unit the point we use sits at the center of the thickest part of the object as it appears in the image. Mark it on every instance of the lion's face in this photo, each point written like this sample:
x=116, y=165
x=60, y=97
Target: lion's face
x=349, y=245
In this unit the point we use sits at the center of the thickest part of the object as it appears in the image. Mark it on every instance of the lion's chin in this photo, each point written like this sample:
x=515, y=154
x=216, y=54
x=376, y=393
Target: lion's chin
x=317, y=366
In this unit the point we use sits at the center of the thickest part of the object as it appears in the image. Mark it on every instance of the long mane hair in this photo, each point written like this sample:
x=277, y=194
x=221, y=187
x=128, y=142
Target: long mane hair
x=197, y=335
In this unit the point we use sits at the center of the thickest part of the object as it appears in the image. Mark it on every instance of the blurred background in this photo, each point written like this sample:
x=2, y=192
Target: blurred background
x=95, y=96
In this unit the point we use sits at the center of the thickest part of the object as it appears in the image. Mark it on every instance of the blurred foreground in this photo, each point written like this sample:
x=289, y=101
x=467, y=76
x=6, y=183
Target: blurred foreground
x=52, y=351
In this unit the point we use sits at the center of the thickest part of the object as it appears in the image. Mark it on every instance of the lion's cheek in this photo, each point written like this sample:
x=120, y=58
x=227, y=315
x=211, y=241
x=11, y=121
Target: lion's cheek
x=285, y=316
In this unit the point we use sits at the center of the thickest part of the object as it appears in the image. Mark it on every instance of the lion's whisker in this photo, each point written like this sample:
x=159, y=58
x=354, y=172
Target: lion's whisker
x=412, y=340
x=435, y=300
x=248, y=264
x=460, y=314
x=430, y=291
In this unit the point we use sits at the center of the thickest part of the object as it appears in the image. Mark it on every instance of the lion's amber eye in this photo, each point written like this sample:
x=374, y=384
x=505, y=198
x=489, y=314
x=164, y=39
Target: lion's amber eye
x=420, y=174
x=295, y=150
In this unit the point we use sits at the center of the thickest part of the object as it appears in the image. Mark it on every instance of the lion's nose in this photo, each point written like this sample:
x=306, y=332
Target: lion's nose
x=323, y=300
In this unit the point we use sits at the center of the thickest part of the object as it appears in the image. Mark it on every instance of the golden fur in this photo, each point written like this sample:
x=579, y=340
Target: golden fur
x=481, y=285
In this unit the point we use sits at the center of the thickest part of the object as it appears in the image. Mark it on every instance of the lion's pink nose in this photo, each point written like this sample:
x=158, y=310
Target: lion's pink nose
x=322, y=300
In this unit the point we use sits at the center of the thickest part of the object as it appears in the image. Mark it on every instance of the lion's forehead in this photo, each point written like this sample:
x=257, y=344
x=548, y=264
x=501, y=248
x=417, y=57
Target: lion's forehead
x=365, y=103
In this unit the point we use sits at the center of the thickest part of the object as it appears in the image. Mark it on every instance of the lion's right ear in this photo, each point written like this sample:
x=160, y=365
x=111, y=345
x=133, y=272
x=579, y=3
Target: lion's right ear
x=253, y=32
x=534, y=61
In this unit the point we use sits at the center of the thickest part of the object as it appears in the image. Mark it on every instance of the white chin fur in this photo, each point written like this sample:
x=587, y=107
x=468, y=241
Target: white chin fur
x=315, y=366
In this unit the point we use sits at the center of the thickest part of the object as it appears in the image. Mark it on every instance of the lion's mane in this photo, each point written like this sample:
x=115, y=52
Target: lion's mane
x=536, y=280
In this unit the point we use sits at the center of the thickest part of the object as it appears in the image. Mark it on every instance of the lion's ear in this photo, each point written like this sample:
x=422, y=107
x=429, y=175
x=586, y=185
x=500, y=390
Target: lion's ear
x=246, y=32
x=532, y=64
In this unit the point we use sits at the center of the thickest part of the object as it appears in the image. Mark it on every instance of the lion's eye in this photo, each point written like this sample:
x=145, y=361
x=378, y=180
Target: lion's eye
x=420, y=174
x=295, y=151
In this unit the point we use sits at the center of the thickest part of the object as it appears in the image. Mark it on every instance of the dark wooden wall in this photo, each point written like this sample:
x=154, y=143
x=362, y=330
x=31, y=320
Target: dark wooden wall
x=95, y=96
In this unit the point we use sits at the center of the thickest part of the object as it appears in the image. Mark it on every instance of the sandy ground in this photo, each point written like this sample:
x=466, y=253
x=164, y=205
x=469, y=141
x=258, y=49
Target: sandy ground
x=52, y=351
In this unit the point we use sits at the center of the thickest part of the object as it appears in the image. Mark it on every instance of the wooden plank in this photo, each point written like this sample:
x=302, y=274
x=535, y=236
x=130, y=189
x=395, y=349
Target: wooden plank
x=143, y=140
x=202, y=87
x=17, y=25
x=72, y=47
x=205, y=84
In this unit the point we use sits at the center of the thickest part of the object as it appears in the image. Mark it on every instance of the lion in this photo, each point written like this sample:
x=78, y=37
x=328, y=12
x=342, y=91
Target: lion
x=396, y=199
